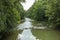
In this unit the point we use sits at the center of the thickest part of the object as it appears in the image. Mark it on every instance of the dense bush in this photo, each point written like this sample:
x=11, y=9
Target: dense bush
x=10, y=15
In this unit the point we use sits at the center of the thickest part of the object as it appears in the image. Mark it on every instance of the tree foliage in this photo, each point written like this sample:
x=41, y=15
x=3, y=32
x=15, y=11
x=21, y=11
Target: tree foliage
x=10, y=14
x=46, y=10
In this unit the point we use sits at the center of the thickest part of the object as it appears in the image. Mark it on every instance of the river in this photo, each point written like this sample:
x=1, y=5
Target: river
x=28, y=33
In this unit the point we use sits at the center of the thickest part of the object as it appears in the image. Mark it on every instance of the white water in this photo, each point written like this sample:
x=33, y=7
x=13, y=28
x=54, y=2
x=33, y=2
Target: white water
x=26, y=34
x=26, y=24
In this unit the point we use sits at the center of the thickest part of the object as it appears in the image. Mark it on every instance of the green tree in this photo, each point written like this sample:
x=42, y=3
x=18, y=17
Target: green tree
x=10, y=15
x=46, y=10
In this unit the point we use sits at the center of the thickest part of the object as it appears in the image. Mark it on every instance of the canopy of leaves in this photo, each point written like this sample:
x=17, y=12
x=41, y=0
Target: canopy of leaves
x=10, y=14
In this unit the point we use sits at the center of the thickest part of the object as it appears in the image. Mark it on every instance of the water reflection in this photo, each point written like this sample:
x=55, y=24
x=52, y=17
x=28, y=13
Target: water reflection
x=26, y=34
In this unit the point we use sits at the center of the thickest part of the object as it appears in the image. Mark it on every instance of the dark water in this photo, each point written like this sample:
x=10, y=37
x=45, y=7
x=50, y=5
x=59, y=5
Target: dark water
x=33, y=34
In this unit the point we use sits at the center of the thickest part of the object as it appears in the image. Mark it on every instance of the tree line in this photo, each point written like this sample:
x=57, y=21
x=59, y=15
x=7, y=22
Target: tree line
x=11, y=12
x=46, y=10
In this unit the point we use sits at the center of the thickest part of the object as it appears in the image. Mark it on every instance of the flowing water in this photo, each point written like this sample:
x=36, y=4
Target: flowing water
x=28, y=33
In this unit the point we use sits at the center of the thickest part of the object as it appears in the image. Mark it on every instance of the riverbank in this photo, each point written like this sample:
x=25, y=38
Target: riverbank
x=28, y=30
x=41, y=34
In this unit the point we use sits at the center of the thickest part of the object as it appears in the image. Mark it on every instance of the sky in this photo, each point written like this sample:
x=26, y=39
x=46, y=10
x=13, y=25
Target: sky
x=27, y=4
